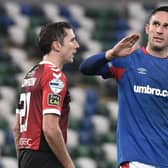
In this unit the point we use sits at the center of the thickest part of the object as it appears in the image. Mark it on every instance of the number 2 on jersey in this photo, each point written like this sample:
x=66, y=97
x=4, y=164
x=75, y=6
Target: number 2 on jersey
x=24, y=111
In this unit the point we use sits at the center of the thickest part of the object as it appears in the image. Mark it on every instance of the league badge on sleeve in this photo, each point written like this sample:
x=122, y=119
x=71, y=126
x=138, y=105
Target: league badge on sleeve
x=54, y=99
x=56, y=85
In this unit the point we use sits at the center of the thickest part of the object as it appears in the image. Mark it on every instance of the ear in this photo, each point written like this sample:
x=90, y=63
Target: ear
x=56, y=46
x=147, y=28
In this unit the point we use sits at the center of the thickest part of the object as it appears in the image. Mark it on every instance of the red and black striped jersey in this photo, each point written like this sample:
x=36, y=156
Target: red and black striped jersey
x=44, y=91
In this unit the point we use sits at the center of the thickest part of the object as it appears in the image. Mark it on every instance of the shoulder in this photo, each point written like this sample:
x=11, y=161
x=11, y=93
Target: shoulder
x=52, y=74
x=137, y=54
x=50, y=69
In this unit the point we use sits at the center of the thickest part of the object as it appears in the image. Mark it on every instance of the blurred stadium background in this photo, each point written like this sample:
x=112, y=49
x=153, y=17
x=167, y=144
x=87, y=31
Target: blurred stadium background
x=98, y=25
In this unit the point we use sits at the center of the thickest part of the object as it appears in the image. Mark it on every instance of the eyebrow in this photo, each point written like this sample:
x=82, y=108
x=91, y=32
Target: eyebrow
x=155, y=21
x=73, y=38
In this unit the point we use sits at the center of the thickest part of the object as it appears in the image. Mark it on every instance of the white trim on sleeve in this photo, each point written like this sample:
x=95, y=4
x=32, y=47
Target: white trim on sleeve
x=51, y=111
x=17, y=111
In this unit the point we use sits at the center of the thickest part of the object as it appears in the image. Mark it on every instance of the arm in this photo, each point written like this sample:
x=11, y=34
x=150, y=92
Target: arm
x=16, y=133
x=96, y=64
x=55, y=139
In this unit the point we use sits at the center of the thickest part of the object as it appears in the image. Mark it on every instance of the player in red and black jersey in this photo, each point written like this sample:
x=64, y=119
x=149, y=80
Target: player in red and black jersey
x=42, y=114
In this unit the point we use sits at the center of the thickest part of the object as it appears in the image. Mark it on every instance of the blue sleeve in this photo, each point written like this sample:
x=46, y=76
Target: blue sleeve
x=95, y=65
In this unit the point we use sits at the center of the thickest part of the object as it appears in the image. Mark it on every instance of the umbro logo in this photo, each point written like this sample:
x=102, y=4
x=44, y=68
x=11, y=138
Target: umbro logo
x=142, y=70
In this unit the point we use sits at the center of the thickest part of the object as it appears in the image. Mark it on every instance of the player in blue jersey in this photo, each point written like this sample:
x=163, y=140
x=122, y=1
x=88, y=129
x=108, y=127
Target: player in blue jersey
x=142, y=75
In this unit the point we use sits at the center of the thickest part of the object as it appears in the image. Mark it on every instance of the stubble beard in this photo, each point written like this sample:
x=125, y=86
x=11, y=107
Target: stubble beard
x=157, y=48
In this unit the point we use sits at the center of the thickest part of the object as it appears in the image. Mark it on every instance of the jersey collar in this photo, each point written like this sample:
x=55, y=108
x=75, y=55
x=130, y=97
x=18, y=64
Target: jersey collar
x=146, y=52
x=46, y=62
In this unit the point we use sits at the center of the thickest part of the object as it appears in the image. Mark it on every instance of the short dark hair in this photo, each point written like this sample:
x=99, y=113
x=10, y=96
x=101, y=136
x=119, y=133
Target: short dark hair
x=52, y=32
x=159, y=9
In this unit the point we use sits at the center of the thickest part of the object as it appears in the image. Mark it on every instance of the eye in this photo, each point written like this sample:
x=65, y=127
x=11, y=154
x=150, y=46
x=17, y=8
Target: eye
x=166, y=26
x=73, y=39
x=156, y=23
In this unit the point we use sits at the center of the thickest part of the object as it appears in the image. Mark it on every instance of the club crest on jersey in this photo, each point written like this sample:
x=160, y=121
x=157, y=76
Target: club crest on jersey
x=54, y=99
x=56, y=85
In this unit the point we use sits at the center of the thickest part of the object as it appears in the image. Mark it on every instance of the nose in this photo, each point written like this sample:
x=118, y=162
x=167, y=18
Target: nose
x=76, y=44
x=159, y=30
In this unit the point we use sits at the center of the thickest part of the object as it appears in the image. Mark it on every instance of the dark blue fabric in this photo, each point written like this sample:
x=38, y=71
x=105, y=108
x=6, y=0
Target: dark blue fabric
x=95, y=65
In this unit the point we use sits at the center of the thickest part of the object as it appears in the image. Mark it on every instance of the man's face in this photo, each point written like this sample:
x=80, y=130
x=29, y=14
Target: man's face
x=69, y=46
x=157, y=31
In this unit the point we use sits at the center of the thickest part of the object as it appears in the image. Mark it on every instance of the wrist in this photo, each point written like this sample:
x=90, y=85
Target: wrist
x=69, y=165
x=109, y=54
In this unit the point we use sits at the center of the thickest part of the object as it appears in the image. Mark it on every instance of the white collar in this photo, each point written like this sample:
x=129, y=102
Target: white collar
x=46, y=62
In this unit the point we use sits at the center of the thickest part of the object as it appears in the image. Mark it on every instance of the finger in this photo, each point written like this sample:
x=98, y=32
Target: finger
x=133, y=39
x=134, y=48
x=135, y=36
x=129, y=40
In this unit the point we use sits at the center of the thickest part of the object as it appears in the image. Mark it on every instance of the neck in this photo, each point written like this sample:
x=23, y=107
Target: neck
x=161, y=53
x=53, y=59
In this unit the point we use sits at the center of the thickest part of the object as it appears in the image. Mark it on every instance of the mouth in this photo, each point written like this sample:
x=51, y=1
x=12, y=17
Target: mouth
x=72, y=56
x=158, y=39
x=74, y=52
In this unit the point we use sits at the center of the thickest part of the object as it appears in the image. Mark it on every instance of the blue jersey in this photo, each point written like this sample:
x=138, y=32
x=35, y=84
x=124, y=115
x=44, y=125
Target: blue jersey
x=142, y=130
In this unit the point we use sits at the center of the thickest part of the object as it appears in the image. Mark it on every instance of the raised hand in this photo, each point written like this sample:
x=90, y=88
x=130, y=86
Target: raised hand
x=124, y=47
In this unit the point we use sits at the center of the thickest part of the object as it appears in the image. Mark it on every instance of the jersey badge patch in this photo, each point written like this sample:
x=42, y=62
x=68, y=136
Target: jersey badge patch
x=56, y=85
x=54, y=99
x=142, y=70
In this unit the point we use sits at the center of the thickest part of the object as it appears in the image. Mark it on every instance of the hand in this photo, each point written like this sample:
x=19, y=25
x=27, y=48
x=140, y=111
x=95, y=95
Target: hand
x=124, y=47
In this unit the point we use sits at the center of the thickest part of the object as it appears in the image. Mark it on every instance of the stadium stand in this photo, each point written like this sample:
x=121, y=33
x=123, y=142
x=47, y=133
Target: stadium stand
x=92, y=139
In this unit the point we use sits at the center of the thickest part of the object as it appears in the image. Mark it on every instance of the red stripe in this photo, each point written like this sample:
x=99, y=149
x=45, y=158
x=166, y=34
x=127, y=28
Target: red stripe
x=125, y=165
x=117, y=73
x=144, y=50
